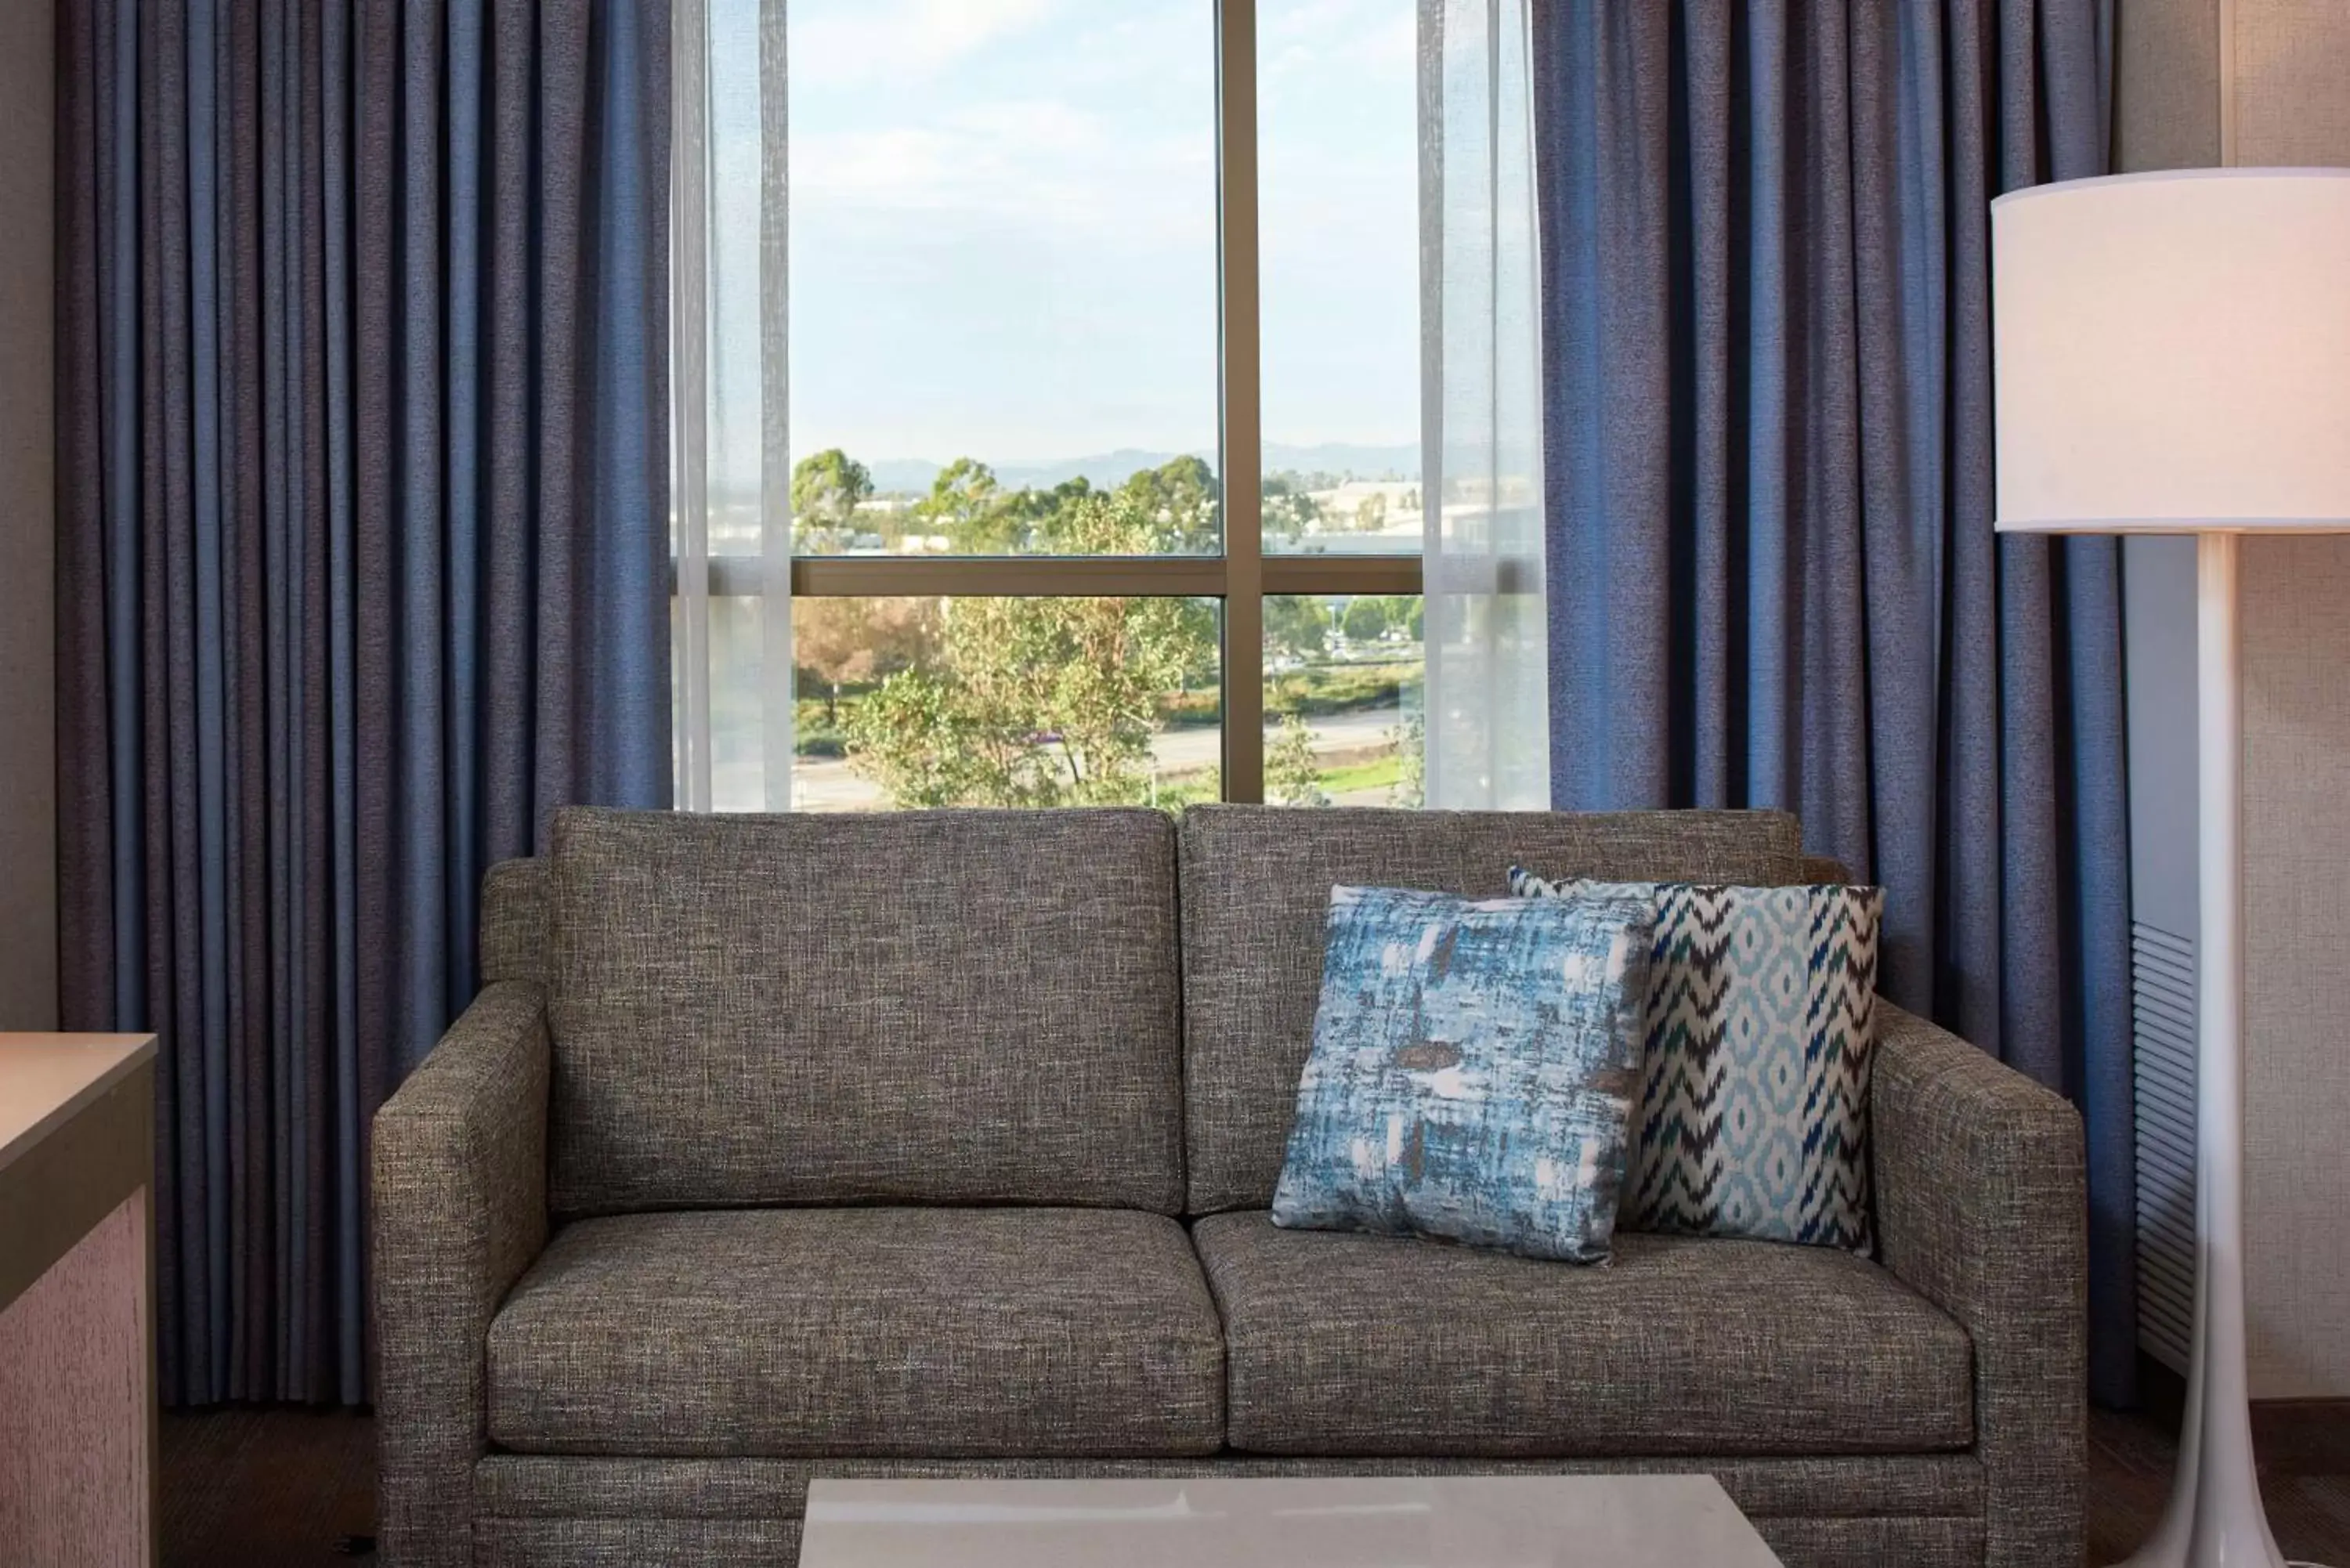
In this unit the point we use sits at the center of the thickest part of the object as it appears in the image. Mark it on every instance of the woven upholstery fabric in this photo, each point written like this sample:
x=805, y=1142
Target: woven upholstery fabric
x=1947, y=1543
x=1340, y=1343
x=671, y=1542
x=945, y=1007
x=1920, y=1510
x=1256, y=885
x=554, y=1486
x=1824, y=870
x=1475, y=1063
x=459, y=1201
x=932, y=1331
x=1759, y=1020
x=1982, y=1206
x=690, y=1543
x=513, y=922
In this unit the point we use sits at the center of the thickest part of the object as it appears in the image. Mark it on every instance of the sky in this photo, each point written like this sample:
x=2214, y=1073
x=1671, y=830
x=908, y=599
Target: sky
x=1002, y=225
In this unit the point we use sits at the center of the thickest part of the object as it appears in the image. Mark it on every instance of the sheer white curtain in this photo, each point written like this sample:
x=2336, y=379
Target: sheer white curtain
x=1488, y=718
x=732, y=478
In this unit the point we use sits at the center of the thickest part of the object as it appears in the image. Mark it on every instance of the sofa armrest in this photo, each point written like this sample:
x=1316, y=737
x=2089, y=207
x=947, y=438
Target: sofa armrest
x=460, y=1211
x=1982, y=1207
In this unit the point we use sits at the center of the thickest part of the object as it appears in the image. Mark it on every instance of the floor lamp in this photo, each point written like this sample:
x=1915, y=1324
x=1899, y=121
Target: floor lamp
x=2172, y=356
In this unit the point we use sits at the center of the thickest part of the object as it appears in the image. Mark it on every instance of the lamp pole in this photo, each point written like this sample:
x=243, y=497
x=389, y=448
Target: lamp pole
x=2171, y=355
x=2214, y=1517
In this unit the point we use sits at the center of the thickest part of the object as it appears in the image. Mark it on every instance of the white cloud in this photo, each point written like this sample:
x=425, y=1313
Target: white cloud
x=1374, y=40
x=902, y=41
x=1043, y=166
x=1003, y=223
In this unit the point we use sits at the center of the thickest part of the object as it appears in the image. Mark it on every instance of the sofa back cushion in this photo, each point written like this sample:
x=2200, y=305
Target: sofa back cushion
x=944, y=1007
x=1256, y=885
x=513, y=922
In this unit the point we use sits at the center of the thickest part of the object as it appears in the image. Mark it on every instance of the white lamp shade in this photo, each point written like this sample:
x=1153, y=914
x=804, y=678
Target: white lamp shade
x=2172, y=353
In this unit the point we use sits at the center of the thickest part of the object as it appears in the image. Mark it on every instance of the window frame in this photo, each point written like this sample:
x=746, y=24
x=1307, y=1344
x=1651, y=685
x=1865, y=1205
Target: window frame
x=1242, y=576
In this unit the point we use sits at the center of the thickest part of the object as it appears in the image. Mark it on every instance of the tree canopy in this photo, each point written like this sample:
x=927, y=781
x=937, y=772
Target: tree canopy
x=1044, y=702
x=1048, y=701
x=826, y=489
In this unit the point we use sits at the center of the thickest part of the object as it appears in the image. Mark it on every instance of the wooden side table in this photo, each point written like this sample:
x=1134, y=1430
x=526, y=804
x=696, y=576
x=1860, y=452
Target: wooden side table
x=77, y=1300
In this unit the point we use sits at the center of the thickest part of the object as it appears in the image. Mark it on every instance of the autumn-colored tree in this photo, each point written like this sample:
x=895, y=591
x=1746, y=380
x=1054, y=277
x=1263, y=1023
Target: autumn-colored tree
x=843, y=643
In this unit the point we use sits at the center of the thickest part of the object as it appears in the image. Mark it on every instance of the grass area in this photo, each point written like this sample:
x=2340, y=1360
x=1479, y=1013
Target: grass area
x=1321, y=689
x=1379, y=772
x=1200, y=787
x=819, y=740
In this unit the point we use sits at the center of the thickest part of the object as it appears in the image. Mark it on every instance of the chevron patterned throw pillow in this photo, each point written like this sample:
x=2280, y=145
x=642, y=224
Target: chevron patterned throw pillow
x=1754, y=1119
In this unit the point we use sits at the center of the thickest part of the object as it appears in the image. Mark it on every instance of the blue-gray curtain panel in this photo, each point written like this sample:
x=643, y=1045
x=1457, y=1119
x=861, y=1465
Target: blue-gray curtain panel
x=1773, y=580
x=362, y=568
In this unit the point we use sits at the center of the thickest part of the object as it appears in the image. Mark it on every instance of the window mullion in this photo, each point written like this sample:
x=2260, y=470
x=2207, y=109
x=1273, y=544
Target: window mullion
x=1240, y=455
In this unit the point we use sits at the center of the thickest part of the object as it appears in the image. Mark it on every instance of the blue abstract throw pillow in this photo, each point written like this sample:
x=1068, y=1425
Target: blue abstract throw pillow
x=1472, y=1071
x=1760, y=1022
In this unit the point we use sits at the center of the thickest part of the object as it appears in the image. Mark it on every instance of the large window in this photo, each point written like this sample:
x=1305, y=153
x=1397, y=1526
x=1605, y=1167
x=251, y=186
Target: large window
x=1103, y=359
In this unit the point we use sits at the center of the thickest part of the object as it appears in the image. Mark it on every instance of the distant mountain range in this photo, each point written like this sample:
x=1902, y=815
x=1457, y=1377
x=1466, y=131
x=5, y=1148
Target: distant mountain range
x=913, y=474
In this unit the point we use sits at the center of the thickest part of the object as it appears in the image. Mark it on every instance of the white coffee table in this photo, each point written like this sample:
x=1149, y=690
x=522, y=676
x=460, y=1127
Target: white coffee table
x=1449, y=1522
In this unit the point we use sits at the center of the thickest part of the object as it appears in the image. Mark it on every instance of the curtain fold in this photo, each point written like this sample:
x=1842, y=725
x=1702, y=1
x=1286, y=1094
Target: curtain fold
x=729, y=229
x=1486, y=712
x=1773, y=577
x=363, y=544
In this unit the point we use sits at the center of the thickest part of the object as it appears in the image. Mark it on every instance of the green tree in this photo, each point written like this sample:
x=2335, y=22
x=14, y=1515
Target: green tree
x=1411, y=740
x=971, y=510
x=1297, y=626
x=1038, y=702
x=1175, y=507
x=1367, y=618
x=1292, y=776
x=1028, y=702
x=1290, y=512
x=826, y=487
x=1032, y=517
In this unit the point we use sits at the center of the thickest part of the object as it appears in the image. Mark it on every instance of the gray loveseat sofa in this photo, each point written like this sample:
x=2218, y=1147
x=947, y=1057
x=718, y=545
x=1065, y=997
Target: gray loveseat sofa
x=940, y=1144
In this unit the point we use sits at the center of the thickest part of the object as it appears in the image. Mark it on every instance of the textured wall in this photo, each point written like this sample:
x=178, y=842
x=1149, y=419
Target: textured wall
x=28, y=891
x=2292, y=82
x=2259, y=83
x=2290, y=100
x=2296, y=984
x=2167, y=60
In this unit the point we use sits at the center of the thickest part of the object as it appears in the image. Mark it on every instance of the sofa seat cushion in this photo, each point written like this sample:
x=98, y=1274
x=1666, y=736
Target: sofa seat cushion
x=1346, y=1344
x=943, y=1333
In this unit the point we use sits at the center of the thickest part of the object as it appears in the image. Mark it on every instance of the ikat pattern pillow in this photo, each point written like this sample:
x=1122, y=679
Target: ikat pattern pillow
x=1473, y=1070
x=1760, y=1020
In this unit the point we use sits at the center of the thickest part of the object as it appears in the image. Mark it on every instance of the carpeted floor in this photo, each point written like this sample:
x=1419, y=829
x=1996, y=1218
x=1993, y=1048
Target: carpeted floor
x=258, y=1489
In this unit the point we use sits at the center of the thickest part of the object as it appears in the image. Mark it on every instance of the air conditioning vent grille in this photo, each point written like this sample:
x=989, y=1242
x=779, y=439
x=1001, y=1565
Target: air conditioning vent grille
x=2163, y=1020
